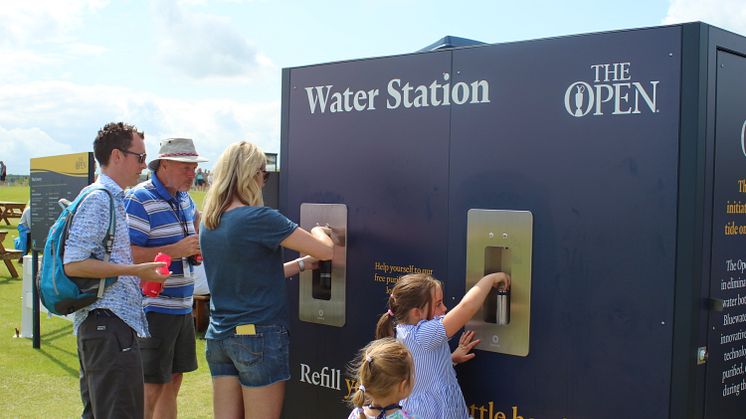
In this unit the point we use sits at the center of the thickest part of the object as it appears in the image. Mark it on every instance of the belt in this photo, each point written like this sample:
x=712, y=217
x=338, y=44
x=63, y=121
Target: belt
x=102, y=312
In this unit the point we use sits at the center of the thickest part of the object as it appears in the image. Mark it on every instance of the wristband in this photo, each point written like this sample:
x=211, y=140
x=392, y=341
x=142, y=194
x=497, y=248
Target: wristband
x=301, y=265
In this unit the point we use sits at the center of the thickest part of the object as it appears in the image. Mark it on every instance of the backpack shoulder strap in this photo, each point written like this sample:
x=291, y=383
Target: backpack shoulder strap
x=108, y=241
x=108, y=238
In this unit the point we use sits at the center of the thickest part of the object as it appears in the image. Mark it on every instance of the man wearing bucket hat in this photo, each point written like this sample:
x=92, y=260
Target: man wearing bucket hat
x=161, y=217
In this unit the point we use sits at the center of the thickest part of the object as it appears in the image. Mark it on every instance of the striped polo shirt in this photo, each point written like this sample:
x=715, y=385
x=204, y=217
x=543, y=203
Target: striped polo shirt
x=156, y=218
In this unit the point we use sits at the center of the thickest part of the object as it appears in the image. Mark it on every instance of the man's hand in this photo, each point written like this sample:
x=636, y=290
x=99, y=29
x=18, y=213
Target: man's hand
x=465, y=345
x=148, y=271
x=185, y=247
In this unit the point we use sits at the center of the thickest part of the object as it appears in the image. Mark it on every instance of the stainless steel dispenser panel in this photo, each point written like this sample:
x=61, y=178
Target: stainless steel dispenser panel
x=501, y=240
x=322, y=296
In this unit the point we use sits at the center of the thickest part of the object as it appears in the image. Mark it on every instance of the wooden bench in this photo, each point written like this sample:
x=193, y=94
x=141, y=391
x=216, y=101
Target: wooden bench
x=201, y=312
x=9, y=255
x=11, y=210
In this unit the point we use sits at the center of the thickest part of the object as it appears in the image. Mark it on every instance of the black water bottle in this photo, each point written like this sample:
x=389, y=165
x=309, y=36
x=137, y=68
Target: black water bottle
x=322, y=281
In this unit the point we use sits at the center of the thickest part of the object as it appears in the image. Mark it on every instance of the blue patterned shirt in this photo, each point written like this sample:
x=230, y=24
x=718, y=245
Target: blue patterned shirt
x=85, y=240
x=156, y=218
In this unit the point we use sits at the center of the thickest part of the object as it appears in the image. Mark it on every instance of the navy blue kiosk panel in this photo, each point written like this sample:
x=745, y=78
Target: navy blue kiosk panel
x=581, y=131
x=726, y=378
x=598, y=170
x=388, y=164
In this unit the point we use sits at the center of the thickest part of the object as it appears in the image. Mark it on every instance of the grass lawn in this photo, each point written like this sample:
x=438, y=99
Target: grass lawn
x=44, y=382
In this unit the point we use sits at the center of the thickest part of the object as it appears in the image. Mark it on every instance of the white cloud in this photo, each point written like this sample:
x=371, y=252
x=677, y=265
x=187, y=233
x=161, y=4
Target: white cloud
x=727, y=14
x=203, y=46
x=24, y=22
x=20, y=144
x=82, y=48
x=16, y=62
x=214, y=124
x=203, y=2
x=48, y=118
x=40, y=34
x=41, y=117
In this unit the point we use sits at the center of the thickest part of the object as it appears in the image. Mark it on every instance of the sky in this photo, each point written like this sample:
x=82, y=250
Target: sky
x=211, y=70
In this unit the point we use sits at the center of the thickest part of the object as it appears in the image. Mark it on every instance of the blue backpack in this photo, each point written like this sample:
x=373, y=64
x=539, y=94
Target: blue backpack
x=61, y=294
x=21, y=242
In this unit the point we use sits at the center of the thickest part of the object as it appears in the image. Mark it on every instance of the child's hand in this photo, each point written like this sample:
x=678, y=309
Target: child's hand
x=500, y=280
x=465, y=345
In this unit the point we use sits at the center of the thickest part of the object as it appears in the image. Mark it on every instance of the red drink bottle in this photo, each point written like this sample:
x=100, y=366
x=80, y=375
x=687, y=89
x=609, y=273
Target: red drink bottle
x=153, y=289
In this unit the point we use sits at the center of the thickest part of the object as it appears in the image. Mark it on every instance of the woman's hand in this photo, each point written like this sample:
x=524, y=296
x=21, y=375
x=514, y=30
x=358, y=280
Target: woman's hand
x=310, y=262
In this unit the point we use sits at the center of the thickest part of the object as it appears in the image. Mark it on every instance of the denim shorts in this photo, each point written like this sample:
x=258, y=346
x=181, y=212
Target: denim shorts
x=257, y=360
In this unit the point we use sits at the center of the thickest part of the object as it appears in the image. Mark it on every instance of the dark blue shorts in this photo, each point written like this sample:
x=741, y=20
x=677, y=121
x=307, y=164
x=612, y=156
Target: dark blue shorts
x=257, y=360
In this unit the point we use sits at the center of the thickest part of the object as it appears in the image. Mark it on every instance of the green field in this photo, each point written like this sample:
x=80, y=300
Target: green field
x=44, y=382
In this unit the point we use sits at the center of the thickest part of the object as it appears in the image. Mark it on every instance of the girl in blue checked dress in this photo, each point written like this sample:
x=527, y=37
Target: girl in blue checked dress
x=385, y=374
x=417, y=317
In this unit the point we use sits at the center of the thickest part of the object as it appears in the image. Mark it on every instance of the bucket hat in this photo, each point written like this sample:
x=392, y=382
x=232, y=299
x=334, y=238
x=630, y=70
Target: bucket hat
x=176, y=149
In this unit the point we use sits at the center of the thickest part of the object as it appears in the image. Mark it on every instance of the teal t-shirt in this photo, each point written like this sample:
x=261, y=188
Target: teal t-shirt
x=243, y=263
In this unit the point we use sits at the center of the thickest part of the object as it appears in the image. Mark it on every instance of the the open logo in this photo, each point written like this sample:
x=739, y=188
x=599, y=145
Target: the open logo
x=743, y=138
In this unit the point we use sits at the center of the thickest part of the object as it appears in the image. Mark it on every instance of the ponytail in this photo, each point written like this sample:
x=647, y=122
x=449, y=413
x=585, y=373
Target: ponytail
x=385, y=326
x=358, y=400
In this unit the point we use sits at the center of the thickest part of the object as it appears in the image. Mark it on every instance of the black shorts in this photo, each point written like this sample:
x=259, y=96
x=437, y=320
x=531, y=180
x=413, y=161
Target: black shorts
x=170, y=348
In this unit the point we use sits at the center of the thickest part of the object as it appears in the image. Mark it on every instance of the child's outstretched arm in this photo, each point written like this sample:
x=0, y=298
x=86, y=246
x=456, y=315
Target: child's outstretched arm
x=469, y=305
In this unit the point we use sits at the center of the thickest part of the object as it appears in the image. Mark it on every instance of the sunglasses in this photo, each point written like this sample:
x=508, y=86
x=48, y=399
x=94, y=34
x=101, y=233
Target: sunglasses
x=140, y=156
x=265, y=174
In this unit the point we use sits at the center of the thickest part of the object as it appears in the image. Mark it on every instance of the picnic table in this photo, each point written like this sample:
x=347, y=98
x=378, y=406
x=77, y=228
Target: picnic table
x=11, y=210
x=9, y=255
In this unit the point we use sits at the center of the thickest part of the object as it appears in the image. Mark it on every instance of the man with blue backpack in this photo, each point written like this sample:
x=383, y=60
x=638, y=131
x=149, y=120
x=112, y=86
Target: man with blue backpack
x=111, y=375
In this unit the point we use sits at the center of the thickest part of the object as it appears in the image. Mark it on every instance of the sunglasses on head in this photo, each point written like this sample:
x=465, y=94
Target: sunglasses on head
x=140, y=156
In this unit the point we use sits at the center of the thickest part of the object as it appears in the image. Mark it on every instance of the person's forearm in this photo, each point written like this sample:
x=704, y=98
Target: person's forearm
x=321, y=235
x=467, y=307
x=293, y=267
x=147, y=254
x=93, y=268
x=474, y=298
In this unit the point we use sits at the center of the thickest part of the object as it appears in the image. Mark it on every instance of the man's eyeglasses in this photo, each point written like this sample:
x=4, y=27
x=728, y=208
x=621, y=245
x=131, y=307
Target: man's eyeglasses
x=140, y=156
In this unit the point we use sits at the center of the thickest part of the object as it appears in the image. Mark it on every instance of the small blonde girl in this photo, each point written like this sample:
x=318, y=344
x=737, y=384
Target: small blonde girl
x=385, y=375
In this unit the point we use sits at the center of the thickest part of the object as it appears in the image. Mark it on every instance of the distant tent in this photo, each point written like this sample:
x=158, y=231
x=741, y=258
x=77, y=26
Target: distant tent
x=450, y=42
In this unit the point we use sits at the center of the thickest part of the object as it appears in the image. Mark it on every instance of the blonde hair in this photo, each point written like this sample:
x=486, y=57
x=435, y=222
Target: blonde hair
x=380, y=367
x=234, y=176
x=411, y=291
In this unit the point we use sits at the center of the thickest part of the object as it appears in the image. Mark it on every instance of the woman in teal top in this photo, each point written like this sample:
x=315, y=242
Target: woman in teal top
x=241, y=241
